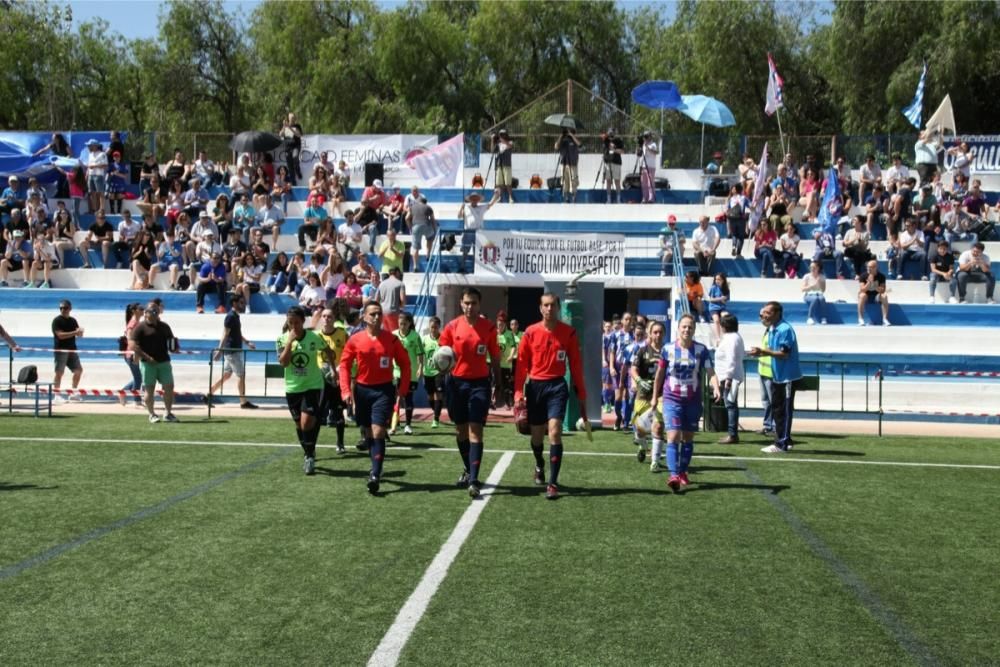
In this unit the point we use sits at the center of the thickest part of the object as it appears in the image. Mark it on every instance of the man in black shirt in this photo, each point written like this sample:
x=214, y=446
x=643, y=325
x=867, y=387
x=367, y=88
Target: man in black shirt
x=152, y=341
x=65, y=331
x=102, y=234
x=503, y=147
x=231, y=350
x=569, y=154
x=613, y=149
x=872, y=289
x=233, y=250
x=942, y=265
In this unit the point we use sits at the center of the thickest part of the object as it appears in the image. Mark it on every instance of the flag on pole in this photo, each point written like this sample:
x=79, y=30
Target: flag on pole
x=759, y=193
x=832, y=208
x=915, y=111
x=775, y=97
x=943, y=119
x=440, y=166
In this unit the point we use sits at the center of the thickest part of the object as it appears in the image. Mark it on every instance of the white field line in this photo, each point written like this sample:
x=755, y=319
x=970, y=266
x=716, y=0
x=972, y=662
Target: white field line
x=710, y=457
x=387, y=652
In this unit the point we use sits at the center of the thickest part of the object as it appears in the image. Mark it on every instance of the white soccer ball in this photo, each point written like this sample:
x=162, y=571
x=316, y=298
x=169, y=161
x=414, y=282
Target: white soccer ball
x=444, y=359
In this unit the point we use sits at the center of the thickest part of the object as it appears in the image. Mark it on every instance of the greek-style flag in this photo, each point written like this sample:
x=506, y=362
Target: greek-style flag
x=914, y=112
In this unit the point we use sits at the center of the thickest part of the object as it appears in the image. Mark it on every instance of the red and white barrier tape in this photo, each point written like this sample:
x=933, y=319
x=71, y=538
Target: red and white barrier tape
x=938, y=413
x=115, y=352
x=112, y=393
x=970, y=374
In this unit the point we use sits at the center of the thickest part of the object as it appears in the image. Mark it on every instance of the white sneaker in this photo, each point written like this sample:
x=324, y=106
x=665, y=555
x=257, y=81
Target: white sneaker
x=655, y=467
x=990, y=301
x=886, y=323
x=154, y=419
x=772, y=449
x=952, y=299
x=861, y=322
x=810, y=321
x=407, y=430
x=932, y=300
x=823, y=321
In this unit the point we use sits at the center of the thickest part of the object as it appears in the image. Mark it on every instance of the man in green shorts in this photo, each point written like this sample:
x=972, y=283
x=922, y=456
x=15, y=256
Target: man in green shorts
x=152, y=341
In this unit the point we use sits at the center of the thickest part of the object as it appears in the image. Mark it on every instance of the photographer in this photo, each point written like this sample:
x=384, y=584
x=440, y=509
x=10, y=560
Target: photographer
x=650, y=154
x=503, y=147
x=569, y=154
x=614, y=147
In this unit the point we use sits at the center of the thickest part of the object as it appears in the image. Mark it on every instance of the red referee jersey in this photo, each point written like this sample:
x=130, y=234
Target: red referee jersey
x=543, y=354
x=471, y=344
x=374, y=357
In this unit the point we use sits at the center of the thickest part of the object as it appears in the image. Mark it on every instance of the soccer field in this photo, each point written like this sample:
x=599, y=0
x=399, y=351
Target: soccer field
x=203, y=542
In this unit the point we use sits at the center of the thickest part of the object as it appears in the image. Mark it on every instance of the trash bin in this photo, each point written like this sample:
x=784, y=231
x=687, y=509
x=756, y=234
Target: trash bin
x=716, y=417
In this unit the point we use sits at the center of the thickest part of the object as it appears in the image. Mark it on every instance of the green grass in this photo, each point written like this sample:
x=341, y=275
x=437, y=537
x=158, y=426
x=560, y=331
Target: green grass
x=271, y=567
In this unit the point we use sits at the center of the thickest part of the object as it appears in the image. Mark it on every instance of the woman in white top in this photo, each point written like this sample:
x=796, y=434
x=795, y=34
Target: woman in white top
x=248, y=274
x=788, y=247
x=963, y=159
x=813, y=288
x=729, y=357
x=333, y=274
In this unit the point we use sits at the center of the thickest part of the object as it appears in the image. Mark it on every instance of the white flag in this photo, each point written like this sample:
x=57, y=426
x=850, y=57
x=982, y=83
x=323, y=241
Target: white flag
x=441, y=166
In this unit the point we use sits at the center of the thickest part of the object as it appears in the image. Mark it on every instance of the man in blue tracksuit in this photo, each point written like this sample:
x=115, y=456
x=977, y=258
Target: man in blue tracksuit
x=783, y=348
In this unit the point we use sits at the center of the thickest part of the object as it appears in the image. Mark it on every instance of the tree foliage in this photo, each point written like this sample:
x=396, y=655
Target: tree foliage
x=430, y=66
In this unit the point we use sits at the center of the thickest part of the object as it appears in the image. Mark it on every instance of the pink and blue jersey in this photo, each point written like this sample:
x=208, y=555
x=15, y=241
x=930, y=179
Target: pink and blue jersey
x=683, y=367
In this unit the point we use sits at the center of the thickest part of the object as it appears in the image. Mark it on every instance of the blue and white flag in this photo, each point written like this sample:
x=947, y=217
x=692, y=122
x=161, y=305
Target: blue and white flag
x=775, y=96
x=832, y=208
x=914, y=113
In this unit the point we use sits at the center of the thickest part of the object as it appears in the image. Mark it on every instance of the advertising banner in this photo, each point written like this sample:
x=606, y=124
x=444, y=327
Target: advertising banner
x=513, y=254
x=394, y=151
x=986, y=148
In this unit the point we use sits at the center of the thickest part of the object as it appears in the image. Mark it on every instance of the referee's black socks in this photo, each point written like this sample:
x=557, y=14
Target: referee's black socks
x=475, y=458
x=377, y=453
x=555, y=461
x=463, y=449
x=537, y=450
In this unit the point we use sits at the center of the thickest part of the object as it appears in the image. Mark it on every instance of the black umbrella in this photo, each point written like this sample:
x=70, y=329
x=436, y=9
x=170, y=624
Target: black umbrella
x=253, y=141
x=564, y=120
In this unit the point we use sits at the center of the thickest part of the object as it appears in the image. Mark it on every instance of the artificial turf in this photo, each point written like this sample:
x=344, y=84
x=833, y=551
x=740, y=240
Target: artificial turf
x=245, y=560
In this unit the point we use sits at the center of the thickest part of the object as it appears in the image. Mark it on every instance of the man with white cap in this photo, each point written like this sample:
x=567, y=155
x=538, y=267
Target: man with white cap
x=472, y=214
x=97, y=174
x=203, y=252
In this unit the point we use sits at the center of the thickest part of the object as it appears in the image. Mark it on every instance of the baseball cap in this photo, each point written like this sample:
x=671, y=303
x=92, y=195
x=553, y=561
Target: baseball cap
x=18, y=233
x=208, y=232
x=204, y=214
x=377, y=183
x=671, y=219
x=92, y=143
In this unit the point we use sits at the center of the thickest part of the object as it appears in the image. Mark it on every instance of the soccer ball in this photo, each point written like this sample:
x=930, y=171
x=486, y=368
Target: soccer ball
x=444, y=359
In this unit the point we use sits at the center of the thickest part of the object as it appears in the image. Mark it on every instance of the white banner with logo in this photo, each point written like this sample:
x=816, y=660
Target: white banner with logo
x=513, y=254
x=394, y=151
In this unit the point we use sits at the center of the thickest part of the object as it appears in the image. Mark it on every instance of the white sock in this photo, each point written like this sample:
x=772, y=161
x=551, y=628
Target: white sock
x=657, y=448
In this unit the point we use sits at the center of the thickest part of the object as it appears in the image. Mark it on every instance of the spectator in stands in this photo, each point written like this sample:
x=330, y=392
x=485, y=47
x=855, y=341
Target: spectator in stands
x=222, y=215
x=650, y=155
x=12, y=198
x=177, y=170
x=313, y=296
x=65, y=331
x=182, y=235
x=705, y=242
x=765, y=241
x=925, y=210
x=473, y=216
x=118, y=175
x=569, y=155
x=258, y=247
x=175, y=202
x=975, y=207
x=960, y=187
x=199, y=230
x=942, y=267
x=326, y=240
x=391, y=295
x=870, y=177
x=65, y=233
x=128, y=229
x=278, y=274
x=695, y=294
x=667, y=247
x=856, y=243
x=240, y=182
x=371, y=213
x=233, y=250
x=350, y=290
x=144, y=261
x=271, y=218
x=18, y=257
x=614, y=148
x=205, y=171
x=342, y=174
x=281, y=189
x=202, y=255
x=810, y=163
x=150, y=225
x=718, y=299
x=423, y=226
x=100, y=233
x=315, y=218
x=925, y=154
x=736, y=210
x=911, y=249
x=872, y=289
x=747, y=170
x=369, y=290
x=901, y=205
x=244, y=216
x=786, y=183
x=876, y=208
x=169, y=258
x=503, y=147
x=826, y=249
x=196, y=199
x=247, y=276
x=332, y=274
x=147, y=170
x=843, y=174
x=974, y=267
x=261, y=186
x=391, y=252
x=786, y=251
x=212, y=279
x=77, y=178
x=17, y=222
x=778, y=212
x=963, y=162
x=349, y=235
x=365, y=272
x=810, y=194
x=896, y=175
x=813, y=293
x=97, y=174
x=319, y=182
x=395, y=211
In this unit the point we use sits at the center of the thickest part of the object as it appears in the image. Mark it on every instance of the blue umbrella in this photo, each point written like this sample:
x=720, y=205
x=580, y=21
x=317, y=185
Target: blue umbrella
x=707, y=111
x=657, y=95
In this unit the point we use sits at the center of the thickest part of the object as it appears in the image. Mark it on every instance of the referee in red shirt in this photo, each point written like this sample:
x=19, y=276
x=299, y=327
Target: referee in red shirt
x=374, y=395
x=472, y=337
x=542, y=356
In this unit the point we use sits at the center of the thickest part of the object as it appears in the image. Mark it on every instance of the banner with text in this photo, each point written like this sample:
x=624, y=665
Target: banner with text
x=394, y=151
x=986, y=150
x=512, y=254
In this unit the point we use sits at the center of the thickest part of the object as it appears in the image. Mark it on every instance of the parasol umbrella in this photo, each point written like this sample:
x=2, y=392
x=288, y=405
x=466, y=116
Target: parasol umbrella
x=657, y=95
x=564, y=120
x=707, y=111
x=254, y=141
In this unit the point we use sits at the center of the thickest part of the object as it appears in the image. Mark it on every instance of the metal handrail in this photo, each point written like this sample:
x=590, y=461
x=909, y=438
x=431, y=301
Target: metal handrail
x=429, y=282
